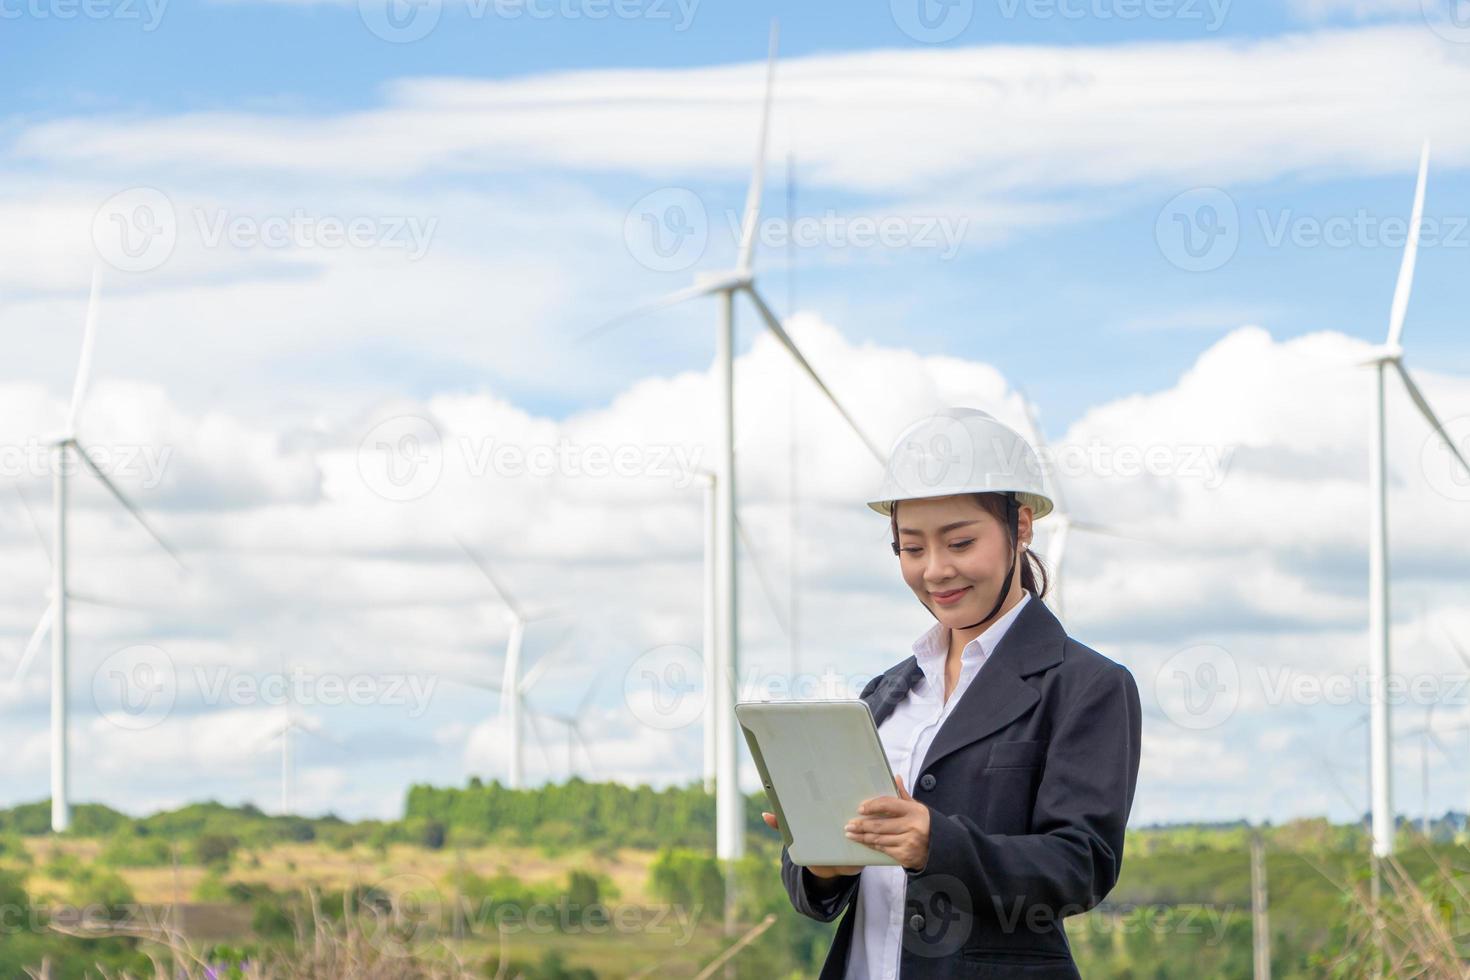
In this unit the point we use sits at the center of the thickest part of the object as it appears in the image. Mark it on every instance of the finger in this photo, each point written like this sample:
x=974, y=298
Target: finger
x=770, y=819
x=903, y=794
x=882, y=842
x=879, y=825
x=890, y=806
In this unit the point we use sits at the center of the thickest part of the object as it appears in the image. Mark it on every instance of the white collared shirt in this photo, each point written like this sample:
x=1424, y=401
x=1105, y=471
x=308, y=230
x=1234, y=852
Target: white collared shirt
x=906, y=735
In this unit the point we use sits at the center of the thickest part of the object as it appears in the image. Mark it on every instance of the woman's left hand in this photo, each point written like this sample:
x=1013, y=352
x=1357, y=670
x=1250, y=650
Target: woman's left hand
x=896, y=825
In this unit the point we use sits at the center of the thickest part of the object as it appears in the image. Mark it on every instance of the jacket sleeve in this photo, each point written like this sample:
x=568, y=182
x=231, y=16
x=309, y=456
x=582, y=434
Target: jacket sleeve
x=816, y=898
x=1073, y=858
x=823, y=899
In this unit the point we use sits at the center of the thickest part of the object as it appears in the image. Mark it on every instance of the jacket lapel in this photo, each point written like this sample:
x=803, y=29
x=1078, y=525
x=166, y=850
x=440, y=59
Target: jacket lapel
x=996, y=696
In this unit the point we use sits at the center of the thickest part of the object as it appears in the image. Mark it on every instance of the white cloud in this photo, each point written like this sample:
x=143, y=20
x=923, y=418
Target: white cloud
x=888, y=123
x=1356, y=9
x=1267, y=559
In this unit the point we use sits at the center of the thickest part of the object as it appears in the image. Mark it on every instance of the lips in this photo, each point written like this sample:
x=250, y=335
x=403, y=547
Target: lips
x=950, y=597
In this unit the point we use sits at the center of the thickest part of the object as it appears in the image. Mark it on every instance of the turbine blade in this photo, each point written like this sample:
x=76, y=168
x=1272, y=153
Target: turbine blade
x=270, y=736
x=107, y=603
x=1092, y=528
x=760, y=574
x=591, y=692
x=540, y=739
x=1041, y=444
x=1428, y=412
x=317, y=731
x=781, y=335
x=671, y=299
x=34, y=644
x=84, y=364
x=586, y=748
x=539, y=667
x=1405, y=284
x=128, y=504
x=31, y=516
x=1459, y=650
x=484, y=566
x=751, y=218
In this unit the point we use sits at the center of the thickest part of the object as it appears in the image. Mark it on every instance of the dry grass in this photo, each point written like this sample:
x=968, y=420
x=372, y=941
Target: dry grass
x=293, y=867
x=396, y=943
x=1412, y=930
x=363, y=947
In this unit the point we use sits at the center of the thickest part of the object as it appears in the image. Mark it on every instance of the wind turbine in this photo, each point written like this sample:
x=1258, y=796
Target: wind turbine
x=573, y=723
x=292, y=721
x=1390, y=354
x=54, y=619
x=729, y=803
x=524, y=710
x=1061, y=520
x=1427, y=734
x=512, y=687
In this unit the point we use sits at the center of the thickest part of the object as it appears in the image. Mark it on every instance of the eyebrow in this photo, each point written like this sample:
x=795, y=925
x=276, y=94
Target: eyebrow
x=944, y=530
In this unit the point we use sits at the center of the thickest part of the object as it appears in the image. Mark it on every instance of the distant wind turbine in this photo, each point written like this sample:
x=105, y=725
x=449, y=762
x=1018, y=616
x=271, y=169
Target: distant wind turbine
x=292, y=721
x=573, y=723
x=512, y=687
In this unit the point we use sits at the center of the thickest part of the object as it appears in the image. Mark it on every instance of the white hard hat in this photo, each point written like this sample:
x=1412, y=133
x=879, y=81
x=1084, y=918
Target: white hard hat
x=962, y=450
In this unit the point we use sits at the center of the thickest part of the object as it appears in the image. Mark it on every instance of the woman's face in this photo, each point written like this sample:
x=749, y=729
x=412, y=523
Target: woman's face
x=951, y=548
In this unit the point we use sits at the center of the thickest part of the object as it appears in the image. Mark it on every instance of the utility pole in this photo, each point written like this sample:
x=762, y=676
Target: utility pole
x=1260, y=920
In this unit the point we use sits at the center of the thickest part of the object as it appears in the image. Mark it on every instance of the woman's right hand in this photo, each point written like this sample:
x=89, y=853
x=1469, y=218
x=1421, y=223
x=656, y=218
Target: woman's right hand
x=820, y=870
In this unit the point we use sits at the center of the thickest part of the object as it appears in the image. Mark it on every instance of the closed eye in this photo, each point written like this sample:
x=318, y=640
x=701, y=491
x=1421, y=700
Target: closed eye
x=954, y=545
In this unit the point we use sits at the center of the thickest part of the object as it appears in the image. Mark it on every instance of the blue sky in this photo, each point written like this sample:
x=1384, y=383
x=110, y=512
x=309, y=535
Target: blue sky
x=1055, y=301
x=1069, y=154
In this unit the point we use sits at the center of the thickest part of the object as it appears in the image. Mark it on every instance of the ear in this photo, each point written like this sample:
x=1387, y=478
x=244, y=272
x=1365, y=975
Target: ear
x=1023, y=526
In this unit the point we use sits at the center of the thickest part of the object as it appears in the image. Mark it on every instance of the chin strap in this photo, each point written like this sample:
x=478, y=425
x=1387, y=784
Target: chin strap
x=1012, y=515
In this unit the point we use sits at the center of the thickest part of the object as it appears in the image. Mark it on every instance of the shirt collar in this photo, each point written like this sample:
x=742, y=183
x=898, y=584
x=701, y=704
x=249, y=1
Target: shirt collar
x=932, y=648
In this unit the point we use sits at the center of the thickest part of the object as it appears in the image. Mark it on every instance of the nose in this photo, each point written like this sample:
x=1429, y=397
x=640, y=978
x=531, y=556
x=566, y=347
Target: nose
x=939, y=568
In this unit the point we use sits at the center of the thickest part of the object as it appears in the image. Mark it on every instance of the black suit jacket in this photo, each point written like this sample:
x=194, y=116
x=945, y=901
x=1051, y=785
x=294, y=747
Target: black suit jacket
x=1029, y=782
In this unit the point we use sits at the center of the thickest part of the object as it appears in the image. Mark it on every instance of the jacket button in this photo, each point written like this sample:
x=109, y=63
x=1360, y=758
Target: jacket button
x=927, y=781
x=916, y=922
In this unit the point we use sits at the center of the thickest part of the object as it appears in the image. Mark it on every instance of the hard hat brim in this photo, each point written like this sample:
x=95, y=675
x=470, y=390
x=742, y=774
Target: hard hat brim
x=1040, y=504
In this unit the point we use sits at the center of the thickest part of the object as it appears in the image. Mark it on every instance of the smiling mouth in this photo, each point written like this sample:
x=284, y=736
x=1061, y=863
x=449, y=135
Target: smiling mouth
x=950, y=596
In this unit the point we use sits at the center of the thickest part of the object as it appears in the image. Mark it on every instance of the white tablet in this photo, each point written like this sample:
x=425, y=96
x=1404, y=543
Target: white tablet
x=818, y=760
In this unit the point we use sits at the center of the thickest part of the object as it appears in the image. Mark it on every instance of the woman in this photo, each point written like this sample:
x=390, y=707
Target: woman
x=1020, y=744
